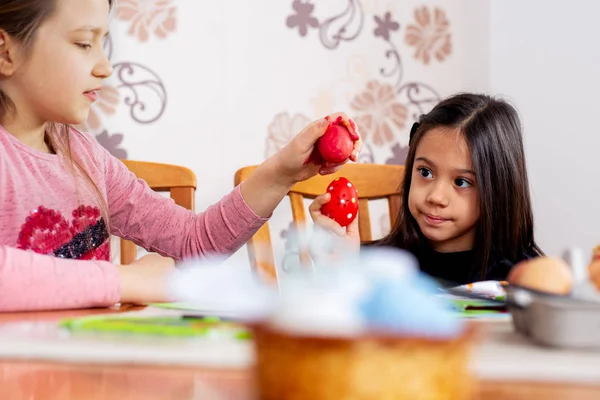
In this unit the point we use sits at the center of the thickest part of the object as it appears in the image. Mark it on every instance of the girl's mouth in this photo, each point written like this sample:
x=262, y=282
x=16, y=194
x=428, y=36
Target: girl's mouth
x=434, y=219
x=92, y=95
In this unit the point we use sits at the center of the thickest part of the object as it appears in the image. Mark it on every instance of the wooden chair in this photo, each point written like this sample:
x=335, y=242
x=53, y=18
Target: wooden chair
x=372, y=182
x=179, y=181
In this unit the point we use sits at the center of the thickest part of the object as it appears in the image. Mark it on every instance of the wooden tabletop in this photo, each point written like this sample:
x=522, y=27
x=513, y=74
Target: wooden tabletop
x=33, y=380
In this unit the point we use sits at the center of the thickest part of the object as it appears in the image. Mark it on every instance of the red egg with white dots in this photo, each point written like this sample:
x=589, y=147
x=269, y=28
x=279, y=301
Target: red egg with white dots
x=343, y=206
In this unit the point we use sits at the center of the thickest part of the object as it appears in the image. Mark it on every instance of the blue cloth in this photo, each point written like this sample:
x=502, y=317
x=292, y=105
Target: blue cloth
x=409, y=306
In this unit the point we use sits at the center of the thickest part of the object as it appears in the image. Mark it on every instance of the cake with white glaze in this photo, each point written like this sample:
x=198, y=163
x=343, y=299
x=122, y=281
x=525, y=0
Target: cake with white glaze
x=373, y=330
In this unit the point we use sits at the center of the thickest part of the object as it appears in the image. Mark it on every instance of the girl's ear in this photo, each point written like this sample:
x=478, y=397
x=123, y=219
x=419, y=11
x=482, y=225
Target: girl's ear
x=8, y=50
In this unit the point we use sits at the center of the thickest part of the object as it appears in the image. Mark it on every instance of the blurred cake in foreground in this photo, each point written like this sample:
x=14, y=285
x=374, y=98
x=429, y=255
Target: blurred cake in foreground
x=371, y=331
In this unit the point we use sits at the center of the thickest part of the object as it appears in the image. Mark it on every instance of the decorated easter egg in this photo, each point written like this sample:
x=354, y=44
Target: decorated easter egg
x=343, y=206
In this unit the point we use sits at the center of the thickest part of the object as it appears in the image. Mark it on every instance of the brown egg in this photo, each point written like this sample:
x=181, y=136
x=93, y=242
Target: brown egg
x=594, y=272
x=546, y=274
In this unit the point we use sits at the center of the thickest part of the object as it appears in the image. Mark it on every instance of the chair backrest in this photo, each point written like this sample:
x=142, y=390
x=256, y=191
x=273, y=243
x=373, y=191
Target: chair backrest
x=180, y=182
x=372, y=181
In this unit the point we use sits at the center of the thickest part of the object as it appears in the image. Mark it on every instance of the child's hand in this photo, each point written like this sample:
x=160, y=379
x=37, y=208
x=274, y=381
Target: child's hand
x=272, y=180
x=292, y=159
x=350, y=233
x=145, y=280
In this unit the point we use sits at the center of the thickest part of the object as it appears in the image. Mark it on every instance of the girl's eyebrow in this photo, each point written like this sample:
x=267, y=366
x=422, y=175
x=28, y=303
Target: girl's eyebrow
x=466, y=171
x=459, y=170
x=94, y=29
x=425, y=159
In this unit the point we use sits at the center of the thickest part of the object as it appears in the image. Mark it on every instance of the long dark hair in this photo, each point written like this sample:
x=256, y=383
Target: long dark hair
x=492, y=130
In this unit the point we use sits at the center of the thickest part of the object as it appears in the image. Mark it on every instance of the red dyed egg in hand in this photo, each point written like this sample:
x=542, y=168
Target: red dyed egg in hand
x=336, y=144
x=343, y=206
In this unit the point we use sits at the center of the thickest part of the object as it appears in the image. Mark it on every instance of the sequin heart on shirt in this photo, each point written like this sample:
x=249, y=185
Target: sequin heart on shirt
x=85, y=237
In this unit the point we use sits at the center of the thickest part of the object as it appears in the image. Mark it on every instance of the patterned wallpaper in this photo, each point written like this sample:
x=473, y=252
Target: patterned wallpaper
x=386, y=102
x=133, y=85
x=220, y=84
x=383, y=108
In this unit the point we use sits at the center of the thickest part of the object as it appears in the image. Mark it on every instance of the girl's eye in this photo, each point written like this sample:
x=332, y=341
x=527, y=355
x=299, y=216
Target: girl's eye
x=425, y=172
x=462, y=183
x=84, y=46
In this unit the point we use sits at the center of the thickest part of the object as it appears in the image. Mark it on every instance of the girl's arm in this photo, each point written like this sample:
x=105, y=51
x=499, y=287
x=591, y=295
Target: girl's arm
x=157, y=224
x=30, y=281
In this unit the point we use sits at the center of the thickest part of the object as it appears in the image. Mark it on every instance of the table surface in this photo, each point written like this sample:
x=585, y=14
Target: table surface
x=33, y=380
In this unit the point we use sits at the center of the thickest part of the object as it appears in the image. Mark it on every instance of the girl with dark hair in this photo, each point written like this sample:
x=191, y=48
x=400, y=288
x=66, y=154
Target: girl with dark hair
x=466, y=210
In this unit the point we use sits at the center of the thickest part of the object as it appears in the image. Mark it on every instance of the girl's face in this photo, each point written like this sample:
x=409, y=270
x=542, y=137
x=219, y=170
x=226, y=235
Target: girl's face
x=443, y=196
x=58, y=77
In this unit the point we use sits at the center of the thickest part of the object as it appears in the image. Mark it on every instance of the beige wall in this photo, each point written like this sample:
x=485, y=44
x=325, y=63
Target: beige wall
x=545, y=56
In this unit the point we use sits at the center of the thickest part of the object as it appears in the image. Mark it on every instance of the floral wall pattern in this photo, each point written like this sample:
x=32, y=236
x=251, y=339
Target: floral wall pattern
x=390, y=101
x=218, y=85
x=132, y=85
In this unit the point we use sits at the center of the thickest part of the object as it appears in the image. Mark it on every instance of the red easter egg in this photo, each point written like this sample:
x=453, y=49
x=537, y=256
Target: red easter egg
x=343, y=206
x=336, y=144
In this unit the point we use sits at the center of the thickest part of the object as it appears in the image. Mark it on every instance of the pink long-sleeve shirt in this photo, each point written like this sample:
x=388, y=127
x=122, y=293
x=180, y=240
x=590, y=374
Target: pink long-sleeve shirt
x=54, y=245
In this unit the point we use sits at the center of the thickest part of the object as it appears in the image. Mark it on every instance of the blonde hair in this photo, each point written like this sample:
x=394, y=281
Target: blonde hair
x=59, y=136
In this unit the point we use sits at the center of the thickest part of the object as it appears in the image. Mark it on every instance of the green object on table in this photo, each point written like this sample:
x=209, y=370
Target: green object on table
x=483, y=314
x=466, y=304
x=478, y=308
x=174, y=306
x=171, y=326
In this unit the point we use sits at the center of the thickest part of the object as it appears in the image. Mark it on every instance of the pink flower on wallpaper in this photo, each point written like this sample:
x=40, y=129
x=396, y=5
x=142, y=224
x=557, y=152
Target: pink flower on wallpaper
x=430, y=36
x=378, y=112
x=385, y=26
x=112, y=143
x=108, y=100
x=148, y=17
x=283, y=128
x=399, y=154
x=302, y=17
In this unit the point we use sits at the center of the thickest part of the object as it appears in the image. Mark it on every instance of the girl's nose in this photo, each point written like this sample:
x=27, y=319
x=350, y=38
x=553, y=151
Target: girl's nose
x=438, y=194
x=103, y=68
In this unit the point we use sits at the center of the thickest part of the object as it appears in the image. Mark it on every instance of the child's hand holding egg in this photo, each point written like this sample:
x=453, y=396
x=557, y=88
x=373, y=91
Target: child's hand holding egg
x=337, y=144
x=322, y=147
x=343, y=206
x=337, y=209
